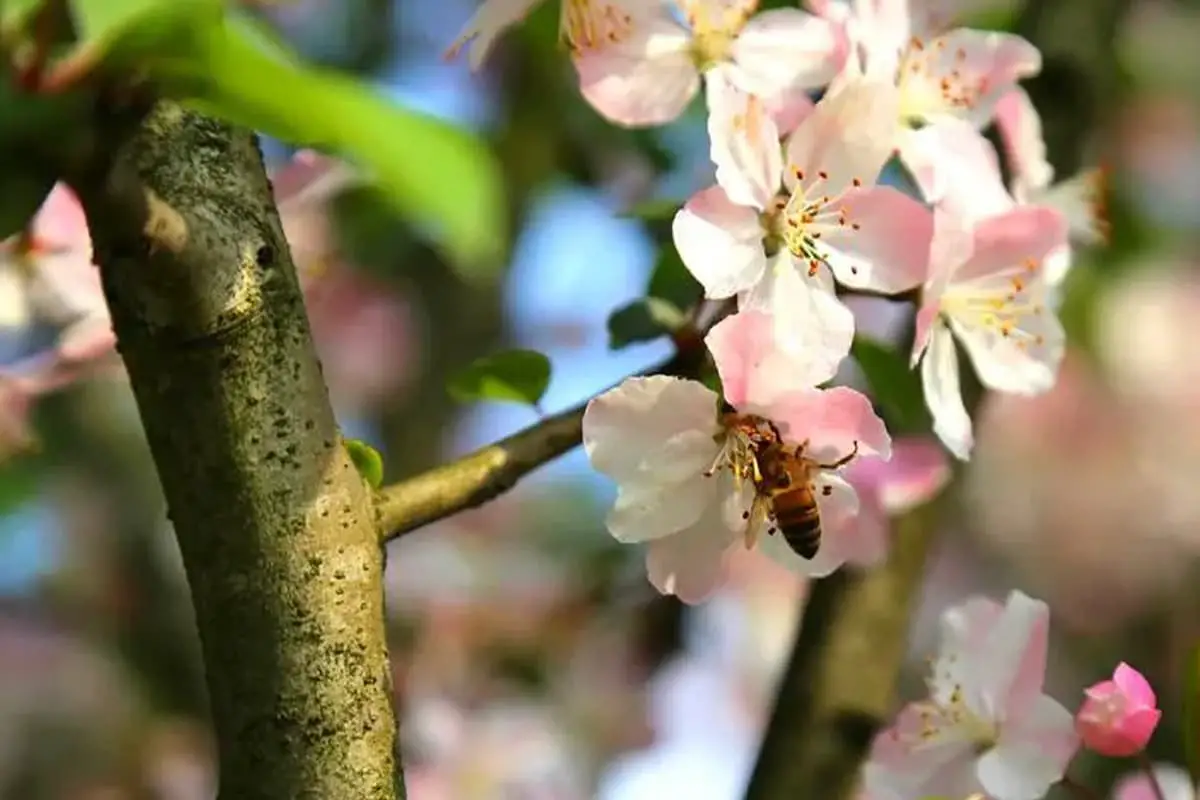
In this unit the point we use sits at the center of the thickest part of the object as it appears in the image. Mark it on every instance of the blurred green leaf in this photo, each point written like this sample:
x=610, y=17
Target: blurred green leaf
x=658, y=209
x=367, y=461
x=1191, y=713
x=121, y=33
x=444, y=179
x=20, y=199
x=671, y=280
x=32, y=126
x=895, y=388
x=643, y=320
x=515, y=376
x=14, y=15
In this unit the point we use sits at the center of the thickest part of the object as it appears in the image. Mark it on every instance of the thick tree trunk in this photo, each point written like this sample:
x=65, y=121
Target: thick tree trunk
x=276, y=528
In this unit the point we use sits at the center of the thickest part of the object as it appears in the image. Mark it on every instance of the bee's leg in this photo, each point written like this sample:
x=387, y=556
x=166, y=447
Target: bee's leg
x=843, y=461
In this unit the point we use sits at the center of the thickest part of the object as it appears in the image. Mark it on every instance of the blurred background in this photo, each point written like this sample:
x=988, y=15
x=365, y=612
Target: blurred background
x=532, y=658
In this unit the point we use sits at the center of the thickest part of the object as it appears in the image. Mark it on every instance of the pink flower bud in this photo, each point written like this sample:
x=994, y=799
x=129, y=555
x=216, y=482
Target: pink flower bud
x=1118, y=716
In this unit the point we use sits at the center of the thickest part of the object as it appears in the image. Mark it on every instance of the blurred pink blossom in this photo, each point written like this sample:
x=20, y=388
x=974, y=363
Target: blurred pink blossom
x=987, y=724
x=916, y=473
x=362, y=327
x=1089, y=494
x=1119, y=715
x=1174, y=781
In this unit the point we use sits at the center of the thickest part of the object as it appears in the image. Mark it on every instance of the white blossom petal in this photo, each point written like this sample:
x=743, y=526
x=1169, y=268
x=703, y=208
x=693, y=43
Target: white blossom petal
x=939, y=379
x=720, y=243
x=647, y=79
x=744, y=142
x=1032, y=754
x=785, y=49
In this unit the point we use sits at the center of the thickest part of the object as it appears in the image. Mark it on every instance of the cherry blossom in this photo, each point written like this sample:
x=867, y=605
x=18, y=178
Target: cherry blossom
x=776, y=237
x=987, y=288
x=1119, y=715
x=936, y=73
x=651, y=67
x=987, y=724
x=765, y=384
x=689, y=476
x=1174, y=782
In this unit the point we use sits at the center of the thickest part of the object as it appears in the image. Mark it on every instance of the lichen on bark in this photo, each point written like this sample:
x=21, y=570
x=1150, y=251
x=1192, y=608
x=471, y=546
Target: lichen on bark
x=276, y=528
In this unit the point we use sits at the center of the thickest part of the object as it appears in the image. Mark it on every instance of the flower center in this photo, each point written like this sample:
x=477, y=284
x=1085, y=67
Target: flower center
x=813, y=208
x=588, y=25
x=774, y=226
x=714, y=30
x=743, y=437
x=998, y=307
x=953, y=720
x=932, y=81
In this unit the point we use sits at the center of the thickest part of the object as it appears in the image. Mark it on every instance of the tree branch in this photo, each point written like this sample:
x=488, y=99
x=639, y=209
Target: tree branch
x=489, y=472
x=837, y=690
x=276, y=528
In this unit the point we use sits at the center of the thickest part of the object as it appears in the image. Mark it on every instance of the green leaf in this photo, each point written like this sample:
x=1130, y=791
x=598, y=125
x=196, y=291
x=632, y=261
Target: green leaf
x=671, y=280
x=367, y=461
x=123, y=33
x=442, y=178
x=1191, y=713
x=654, y=210
x=643, y=320
x=895, y=387
x=20, y=199
x=515, y=376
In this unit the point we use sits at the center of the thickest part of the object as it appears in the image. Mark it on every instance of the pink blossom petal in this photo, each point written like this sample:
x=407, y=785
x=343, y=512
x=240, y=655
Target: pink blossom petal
x=784, y=49
x=868, y=536
x=752, y=365
x=720, y=243
x=790, y=109
x=1020, y=128
x=1006, y=243
x=87, y=340
x=811, y=324
x=1174, y=781
x=956, y=168
x=918, y=472
x=848, y=137
x=831, y=421
x=1134, y=685
x=745, y=143
x=1012, y=672
x=943, y=395
x=641, y=415
x=966, y=60
x=1033, y=753
x=61, y=223
x=647, y=79
x=889, y=250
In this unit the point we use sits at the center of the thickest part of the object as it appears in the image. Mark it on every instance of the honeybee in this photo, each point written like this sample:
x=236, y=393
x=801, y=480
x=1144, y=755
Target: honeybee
x=787, y=496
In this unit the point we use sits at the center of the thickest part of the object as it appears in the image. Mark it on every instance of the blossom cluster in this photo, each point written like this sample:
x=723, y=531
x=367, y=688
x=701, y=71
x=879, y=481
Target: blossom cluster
x=796, y=218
